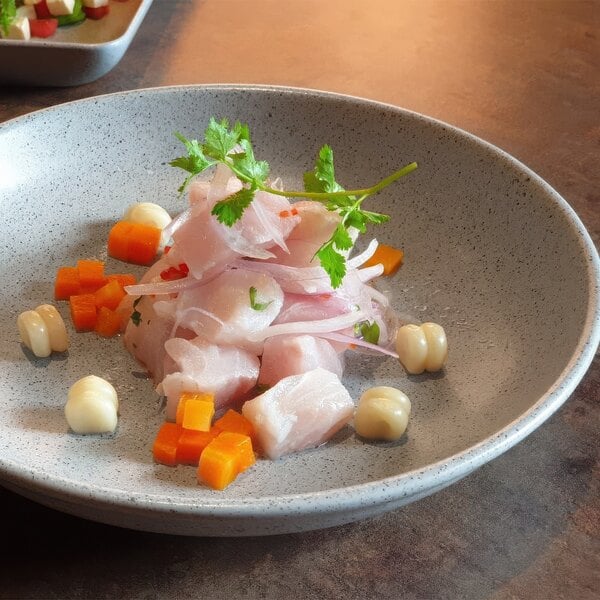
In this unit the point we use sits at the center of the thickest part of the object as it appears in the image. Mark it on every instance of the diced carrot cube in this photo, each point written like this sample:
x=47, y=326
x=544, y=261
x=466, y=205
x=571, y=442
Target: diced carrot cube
x=110, y=295
x=123, y=279
x=242, y=446
x=191, y=444
x=83, y=311
x=118, y=240
x=391, y=258
x=108, y=322
x=201, y=414
x=91, y=274
x=234, y=422
x=67, y=283
x=164, y=449
x=133, y=242
x=218, y=466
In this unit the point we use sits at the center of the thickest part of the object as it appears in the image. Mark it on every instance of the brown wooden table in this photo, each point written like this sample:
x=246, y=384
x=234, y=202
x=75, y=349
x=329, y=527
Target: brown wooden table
x=524, y=75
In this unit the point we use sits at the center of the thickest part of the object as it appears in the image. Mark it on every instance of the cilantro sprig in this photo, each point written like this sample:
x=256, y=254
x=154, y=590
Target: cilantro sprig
x=233, y=148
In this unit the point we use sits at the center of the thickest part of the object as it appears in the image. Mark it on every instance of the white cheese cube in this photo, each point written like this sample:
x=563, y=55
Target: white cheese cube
x=59, y=8
x=18, y=30
x=26, y=11
x=95, y=3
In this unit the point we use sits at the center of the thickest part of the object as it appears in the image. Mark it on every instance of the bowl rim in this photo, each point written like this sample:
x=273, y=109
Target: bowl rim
x=406, y=484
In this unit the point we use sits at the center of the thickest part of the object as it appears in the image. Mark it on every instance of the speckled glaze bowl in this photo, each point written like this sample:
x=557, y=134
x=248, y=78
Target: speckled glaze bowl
x=492, y=253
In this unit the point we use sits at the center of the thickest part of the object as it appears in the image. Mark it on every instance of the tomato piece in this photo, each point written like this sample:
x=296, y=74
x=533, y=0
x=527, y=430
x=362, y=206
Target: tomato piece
x=96, y=13
x=42, y=11
x=42, y=28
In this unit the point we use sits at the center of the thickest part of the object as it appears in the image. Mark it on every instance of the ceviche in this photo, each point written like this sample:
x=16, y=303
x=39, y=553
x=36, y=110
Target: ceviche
x=252, y=297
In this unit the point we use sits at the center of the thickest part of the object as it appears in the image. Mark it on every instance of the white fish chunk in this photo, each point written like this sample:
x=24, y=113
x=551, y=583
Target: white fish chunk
x=197, y=366
x=285, y=355
x=221, y=312
x=301, y=411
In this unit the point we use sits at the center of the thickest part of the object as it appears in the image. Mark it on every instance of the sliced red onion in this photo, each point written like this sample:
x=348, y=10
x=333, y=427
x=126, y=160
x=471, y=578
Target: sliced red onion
x=347, y=339
x=369, y=273
x=164, y=287
x=310, y=327
x=176, y=223
x=364, y=256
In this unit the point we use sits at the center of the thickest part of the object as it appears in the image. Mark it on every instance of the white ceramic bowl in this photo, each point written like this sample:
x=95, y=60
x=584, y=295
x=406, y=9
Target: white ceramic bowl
x=492, y=253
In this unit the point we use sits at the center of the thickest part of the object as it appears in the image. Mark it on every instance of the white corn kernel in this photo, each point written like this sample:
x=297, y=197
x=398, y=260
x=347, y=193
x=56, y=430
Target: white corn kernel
x=382, y=414
x=92, y=406
x=57, y=332
x=34, y=333
x=422, y=347
x=148, y=213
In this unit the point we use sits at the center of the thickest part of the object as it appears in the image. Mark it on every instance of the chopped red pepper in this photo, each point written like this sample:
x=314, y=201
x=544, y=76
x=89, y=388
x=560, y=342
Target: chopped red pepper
x=284, y=213
x=97, y=12
x=166, y=250
x=42, y=11
x=173, y=273
x=294, y=212
x=42, y=28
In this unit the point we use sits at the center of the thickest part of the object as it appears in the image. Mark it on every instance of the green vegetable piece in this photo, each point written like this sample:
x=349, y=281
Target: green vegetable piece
x=8, y=12
x=76, y=16
x=254, y=304
x=230, y=210
x=369, y=332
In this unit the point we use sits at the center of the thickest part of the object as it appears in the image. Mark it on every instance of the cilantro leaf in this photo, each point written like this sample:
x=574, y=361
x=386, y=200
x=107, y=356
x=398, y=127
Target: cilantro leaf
x=194, y=163
x=333, y=263
x=244, y=163
x=219, y=140
x=341, y=238
x=230, y=210
x=254, y=304
x=369, y=332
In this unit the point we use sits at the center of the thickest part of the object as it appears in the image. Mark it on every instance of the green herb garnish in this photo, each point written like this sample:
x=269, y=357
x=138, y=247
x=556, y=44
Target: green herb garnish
x=233, y=148
x=254, y=303
x=368, y=331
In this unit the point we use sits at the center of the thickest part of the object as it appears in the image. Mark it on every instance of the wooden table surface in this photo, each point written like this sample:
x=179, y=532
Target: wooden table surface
x=524, y=75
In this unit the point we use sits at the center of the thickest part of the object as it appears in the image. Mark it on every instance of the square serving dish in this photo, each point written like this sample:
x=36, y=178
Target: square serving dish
x=75, y=54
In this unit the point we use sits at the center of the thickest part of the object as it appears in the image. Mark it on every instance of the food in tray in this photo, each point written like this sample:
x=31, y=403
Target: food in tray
x=26, y=19
x=244, y=318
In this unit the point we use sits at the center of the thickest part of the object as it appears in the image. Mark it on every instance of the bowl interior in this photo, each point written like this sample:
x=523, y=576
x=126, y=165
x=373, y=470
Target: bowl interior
x=490, y=253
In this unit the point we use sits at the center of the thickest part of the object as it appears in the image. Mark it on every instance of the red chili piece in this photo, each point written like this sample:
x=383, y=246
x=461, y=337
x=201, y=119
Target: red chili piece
x=173, y=273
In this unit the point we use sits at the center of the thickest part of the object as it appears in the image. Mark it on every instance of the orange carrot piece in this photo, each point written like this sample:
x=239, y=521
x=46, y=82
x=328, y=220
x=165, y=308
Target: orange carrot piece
x=234, y=422
x=218, y=465
x=83, y=311
x=191, y=444
x=391, y=258
x=91, y=274
x=110, y=295
x=198, y=414
x=164, y=449
x=242, y=446
x=133, y=242
x=108, y=322
x=181, y=409
x=67, y=283
x=123, y=279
